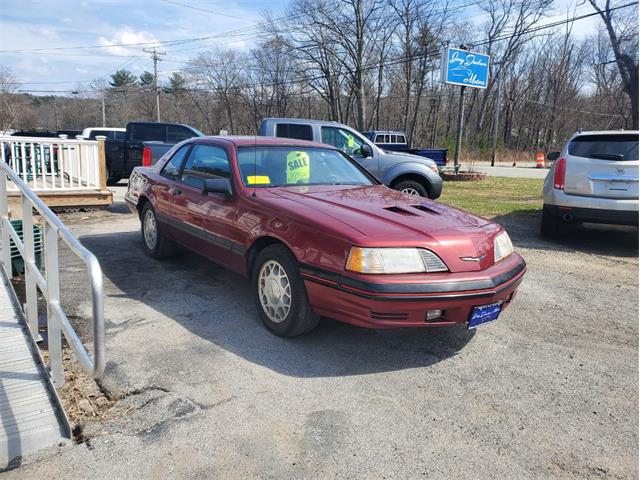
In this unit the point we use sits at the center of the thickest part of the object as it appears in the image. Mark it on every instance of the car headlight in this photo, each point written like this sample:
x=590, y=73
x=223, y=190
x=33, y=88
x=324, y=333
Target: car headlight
x=394, y=260
x=502, y=247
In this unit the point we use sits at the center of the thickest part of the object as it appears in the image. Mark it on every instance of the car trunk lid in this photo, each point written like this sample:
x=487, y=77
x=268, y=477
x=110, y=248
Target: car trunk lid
x=603, y=166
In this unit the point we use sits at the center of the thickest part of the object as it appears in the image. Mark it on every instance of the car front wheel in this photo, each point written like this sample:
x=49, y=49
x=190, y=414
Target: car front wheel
x=412, y=188
x=280, y=295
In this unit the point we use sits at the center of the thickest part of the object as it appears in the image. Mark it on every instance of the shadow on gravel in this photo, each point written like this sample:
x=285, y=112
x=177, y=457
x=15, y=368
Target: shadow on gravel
x=607, y=240
x=217, y=305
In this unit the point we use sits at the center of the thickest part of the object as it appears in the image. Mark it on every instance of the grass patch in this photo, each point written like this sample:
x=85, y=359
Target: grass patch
x=495, y=196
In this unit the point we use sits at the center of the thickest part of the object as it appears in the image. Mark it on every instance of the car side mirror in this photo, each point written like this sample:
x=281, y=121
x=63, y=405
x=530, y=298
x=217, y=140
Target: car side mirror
x=217, y=185
x=366, y=151
x=553, y=156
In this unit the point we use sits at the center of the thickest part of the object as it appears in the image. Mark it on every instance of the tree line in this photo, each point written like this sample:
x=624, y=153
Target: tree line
x=375, y=64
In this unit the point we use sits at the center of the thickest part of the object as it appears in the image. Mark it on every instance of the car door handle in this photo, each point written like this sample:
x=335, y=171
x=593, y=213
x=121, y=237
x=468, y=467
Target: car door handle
x=175, y=191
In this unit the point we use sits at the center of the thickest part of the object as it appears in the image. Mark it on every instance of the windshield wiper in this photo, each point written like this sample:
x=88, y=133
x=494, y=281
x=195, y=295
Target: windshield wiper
x=607, y=156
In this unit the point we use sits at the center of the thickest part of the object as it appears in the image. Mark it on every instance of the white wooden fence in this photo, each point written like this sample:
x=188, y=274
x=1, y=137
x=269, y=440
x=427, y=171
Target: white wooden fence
x=54, y=164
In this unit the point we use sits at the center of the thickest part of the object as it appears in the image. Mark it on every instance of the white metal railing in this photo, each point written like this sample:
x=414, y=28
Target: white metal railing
x=53, y=164
x=49, y=283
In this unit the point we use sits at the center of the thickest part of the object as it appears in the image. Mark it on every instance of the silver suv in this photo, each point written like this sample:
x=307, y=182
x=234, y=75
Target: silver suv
x=594, y=179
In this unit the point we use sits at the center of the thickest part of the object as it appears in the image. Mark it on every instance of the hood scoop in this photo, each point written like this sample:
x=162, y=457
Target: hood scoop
x=424, y=208
x=400, y=210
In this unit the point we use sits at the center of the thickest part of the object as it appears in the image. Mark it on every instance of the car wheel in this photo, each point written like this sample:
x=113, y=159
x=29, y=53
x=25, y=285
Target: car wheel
x=155, y=243
x=551, y=226
x=111, y=180
x=412, y=188
x=280, y=295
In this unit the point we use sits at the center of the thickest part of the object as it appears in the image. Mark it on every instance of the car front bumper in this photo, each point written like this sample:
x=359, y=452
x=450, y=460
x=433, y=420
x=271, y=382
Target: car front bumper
x=394, y=305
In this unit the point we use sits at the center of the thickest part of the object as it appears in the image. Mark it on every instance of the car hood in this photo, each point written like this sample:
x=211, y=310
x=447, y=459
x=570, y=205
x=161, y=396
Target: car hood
x=400, y=157
x=379, y=216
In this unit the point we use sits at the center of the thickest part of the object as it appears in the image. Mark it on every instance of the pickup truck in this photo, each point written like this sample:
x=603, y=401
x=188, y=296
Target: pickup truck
x=397, y=142
x=401, y=171
x=143, y=145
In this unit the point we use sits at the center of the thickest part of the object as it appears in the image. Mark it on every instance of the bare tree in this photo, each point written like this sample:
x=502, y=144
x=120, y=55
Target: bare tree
x=9, y=101
x=623, y=35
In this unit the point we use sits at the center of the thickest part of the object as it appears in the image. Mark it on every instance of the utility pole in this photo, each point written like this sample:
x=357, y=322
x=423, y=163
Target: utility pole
x=104, y=110
x=496, y=117
x=155, y=56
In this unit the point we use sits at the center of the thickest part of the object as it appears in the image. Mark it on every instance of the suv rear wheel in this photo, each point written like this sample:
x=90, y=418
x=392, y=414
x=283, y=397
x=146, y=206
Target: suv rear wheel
x=551, y=226
x=280, y=295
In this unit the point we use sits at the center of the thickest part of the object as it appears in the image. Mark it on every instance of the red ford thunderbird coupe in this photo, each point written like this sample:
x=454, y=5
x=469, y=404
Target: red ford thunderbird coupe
x=319, y=236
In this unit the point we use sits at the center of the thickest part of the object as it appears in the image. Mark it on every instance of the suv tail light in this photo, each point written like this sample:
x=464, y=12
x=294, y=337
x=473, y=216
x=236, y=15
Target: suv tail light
x=146, y=157
x=558, y=176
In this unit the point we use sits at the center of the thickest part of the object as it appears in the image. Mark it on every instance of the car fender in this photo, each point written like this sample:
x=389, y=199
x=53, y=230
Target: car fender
x=413, y=168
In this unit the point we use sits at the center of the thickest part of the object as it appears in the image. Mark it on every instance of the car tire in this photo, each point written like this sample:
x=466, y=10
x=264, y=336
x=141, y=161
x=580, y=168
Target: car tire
x=111, y=180
x=551, y=226
x=154, y=242
x=282, y=303
x=411, y=187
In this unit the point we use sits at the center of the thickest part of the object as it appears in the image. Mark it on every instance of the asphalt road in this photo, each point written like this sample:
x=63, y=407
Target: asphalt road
x=548, y=390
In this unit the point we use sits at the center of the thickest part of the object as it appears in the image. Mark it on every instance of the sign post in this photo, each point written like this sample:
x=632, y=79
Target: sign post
x=467, y=69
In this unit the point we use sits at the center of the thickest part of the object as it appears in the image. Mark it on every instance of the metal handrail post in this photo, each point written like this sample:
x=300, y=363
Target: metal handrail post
x=53, y=299
x=4, y=219
x=31, y=289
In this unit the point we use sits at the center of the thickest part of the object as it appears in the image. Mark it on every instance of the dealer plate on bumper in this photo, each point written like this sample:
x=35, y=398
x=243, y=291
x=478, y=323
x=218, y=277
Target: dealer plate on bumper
x=484, y=314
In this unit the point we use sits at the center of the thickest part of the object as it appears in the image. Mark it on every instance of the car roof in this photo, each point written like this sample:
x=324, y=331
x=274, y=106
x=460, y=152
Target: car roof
x=251, y=140
x=385, y=132
x=605, y=132
x=300, y=120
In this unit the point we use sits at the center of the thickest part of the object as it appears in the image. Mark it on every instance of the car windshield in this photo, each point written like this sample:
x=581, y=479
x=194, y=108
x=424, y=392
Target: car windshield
x=605, y=147
x=271, y=166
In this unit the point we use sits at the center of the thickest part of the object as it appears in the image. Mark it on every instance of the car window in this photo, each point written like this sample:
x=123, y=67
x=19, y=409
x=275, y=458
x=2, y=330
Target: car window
x=176, y=133
x=173, y=166
x=402, y=139
x=605, y=147
x=270, y=166
x=379, y=138
x=148, y=132
x=119, y=135
x=343, y=140
x=205, y=161
x=294, y=130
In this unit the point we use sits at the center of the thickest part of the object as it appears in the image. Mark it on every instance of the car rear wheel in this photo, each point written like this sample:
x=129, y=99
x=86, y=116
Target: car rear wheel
x=155, y=243
x=412, y=188
x=551, y=226
x=111, y=180
x=280, y=295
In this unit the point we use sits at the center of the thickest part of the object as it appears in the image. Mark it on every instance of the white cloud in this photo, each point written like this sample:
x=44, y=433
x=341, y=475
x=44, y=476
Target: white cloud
x=127, y=35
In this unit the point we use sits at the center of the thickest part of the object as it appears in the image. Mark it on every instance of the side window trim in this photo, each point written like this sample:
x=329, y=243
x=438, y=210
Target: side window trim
x=182, y=164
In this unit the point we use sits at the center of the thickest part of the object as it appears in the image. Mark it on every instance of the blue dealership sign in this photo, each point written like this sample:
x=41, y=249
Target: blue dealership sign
x=461, y=67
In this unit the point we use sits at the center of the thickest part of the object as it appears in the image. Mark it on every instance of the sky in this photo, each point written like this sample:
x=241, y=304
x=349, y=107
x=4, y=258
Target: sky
x=47, y=32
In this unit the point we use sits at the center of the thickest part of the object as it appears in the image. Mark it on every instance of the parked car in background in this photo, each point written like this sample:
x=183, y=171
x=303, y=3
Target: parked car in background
x=71, y=134
x=408, y=173
x=112, y=133
x=397, y=142
x=593, y=179
x=143, y=144
x=320, y=236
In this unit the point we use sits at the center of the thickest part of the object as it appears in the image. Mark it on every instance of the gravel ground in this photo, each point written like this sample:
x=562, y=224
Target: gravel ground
x=549, y=390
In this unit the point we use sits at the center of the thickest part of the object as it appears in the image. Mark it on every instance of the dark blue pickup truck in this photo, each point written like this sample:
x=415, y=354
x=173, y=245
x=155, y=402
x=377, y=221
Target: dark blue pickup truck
x=143, y=144
x=397, y=142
